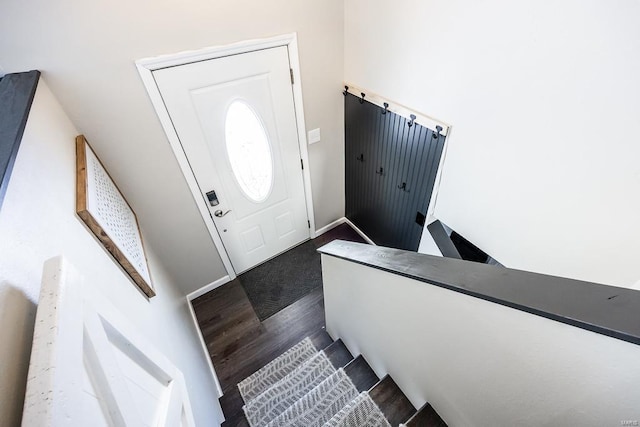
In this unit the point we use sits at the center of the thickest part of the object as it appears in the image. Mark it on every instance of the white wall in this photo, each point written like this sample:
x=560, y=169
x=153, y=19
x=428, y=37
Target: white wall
x=37, y=222
x=87, y=50
x=479, y=363
x=544, y=99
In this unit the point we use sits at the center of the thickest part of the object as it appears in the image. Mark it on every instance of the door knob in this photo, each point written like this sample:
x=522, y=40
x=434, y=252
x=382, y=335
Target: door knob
x=219, y=213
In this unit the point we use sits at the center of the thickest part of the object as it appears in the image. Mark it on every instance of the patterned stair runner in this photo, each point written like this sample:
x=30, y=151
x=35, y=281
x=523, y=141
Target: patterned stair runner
x=301, y=388
x=277, y=369
x=276, y=399
x=362, y=411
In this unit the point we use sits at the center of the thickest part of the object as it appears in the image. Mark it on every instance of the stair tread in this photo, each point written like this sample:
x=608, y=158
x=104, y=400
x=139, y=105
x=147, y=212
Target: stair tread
x=426, y=417
x=231, y=401
x=277, y=334
x=321, y=339
x=286, y=392
x=361, y=374
x=275, y=370
x=393, y=403
x=320, y=404
x=338, y=354
x=361, y=411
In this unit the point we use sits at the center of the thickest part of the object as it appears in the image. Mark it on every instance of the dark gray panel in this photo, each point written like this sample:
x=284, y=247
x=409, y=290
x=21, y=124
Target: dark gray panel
x=607, y=310
x=16, y=95
x=390, y=171
x=443, y=241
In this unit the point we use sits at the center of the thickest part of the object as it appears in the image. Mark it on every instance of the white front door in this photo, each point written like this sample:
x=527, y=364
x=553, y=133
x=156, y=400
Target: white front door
x=235, y=119
x=90, y=367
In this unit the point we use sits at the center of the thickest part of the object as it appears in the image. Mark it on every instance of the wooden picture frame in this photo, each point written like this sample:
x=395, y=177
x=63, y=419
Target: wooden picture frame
x=103, y=208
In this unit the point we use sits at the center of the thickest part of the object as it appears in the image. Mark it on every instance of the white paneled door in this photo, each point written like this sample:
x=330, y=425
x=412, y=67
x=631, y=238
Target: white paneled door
x=236, y=121
x=91, y=367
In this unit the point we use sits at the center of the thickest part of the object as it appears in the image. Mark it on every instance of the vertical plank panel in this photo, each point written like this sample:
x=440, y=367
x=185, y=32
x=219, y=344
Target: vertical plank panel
x=374, y=203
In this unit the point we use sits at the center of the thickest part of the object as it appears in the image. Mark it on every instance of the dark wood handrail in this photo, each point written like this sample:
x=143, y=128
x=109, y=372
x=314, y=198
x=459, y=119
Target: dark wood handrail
x=16, y=95
x=607, y=310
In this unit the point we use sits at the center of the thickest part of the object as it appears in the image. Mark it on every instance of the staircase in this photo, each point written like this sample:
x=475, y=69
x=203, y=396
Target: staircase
x=309, y=387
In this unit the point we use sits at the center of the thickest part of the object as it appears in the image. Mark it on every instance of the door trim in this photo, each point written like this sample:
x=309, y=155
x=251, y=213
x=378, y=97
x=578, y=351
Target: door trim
x=146, y=67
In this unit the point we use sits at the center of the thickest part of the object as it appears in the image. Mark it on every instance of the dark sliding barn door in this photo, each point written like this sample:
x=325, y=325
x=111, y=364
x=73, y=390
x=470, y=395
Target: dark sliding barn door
x=390, y=173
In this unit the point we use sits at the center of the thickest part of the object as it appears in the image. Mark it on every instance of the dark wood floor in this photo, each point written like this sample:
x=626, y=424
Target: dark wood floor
x=239, y=344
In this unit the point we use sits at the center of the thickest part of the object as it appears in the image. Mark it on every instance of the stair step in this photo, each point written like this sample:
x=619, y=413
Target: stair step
x=391, y=400
x=231, y=403
x=286, y=392
x=256, y=352
x=360, y=412
x=320, y=404
x=361, y=374
x=321, y=339
x=277, y=369
x=426, y=417
x=338, y=354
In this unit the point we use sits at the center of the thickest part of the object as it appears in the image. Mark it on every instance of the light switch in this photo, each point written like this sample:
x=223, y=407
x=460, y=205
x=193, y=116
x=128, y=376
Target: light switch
x=314, y=136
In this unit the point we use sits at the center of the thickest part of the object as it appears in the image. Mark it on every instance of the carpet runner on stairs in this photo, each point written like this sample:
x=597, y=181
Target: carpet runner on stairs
x=277, y=369
x=293, y=387
x=362, y=411
x=301, y=388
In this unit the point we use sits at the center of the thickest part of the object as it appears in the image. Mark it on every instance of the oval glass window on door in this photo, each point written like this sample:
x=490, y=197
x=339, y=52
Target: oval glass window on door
x=249, y=151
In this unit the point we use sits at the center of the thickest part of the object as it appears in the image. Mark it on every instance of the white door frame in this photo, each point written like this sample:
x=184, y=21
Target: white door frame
x=148, y=65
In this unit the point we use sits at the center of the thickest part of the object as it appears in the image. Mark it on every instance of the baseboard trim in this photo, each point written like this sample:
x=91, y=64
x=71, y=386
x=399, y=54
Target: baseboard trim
x=206, y=288
x=343, y=220
x=329, y=227
x=203, y=345
x=357, y=230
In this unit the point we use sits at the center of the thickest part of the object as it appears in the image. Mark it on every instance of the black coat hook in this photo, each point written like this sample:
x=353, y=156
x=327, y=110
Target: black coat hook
x=360, y=158
x=403, y=187
x=345, y=91
x=362, y=99
x=436, y=134
x=380, y=171
x=412, y=121
x=386, y=108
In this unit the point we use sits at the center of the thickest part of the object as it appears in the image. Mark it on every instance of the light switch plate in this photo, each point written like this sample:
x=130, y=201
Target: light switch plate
x=314, y=136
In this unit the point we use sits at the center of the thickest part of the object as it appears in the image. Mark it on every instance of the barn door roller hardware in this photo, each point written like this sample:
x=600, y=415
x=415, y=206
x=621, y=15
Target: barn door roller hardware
x=389, y=106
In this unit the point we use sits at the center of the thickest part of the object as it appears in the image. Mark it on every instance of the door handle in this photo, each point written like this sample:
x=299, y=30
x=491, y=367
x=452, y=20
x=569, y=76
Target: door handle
x=219, y=213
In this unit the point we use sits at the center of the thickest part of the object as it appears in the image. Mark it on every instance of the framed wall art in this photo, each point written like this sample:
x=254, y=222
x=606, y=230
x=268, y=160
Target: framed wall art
x=103, y=208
